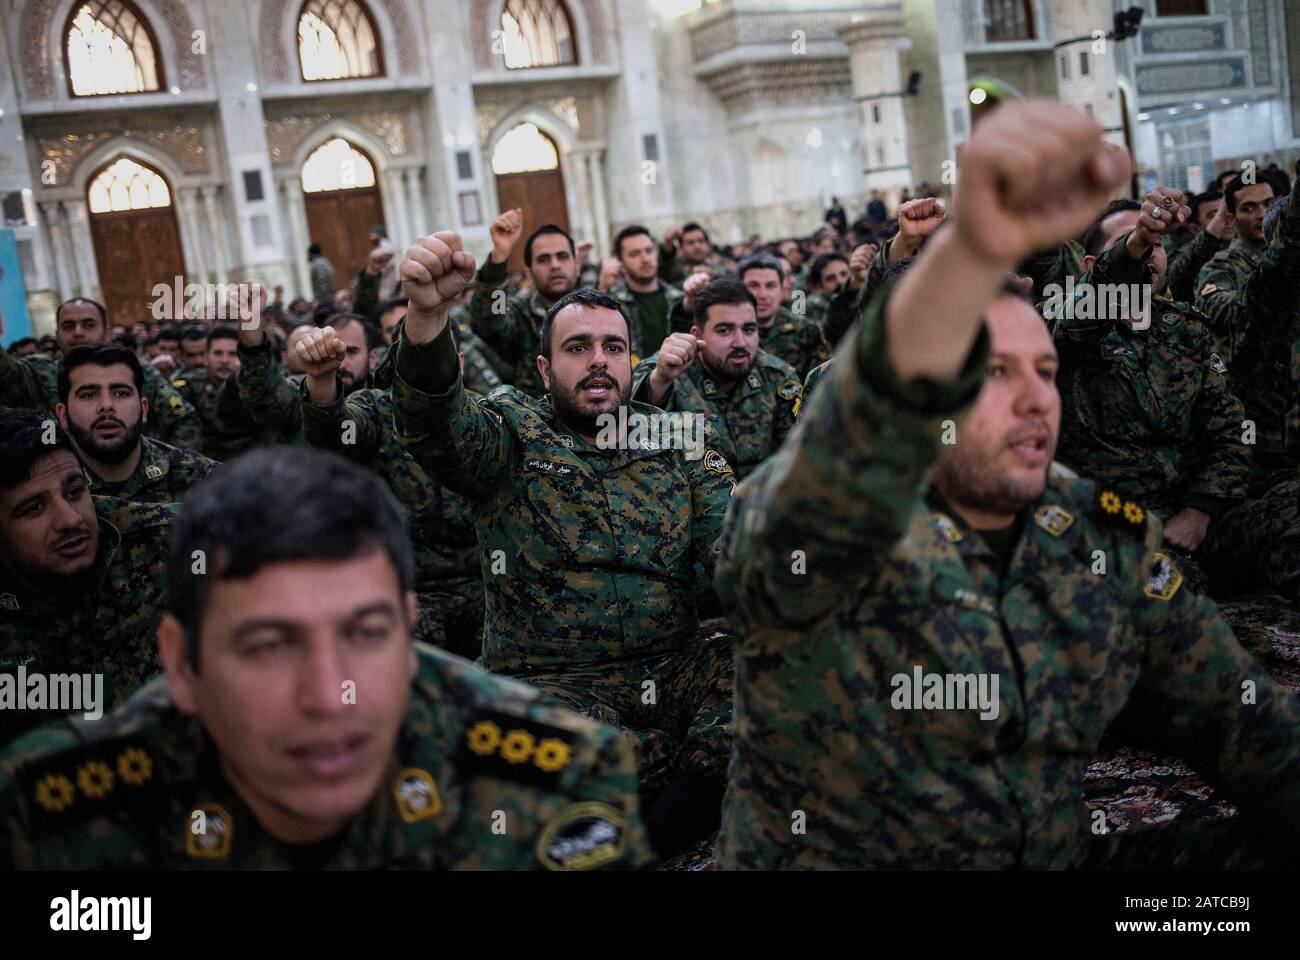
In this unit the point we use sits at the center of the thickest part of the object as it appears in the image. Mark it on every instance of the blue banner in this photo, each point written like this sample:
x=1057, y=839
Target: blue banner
x=14, y=322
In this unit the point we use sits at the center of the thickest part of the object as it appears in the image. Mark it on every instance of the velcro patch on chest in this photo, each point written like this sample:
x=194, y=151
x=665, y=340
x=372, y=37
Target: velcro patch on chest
x=1217, y=364
x=1054, y=518
x=499, y=745
x=582, y=836
x=1163, y=578
x=91, y=781
x=716, y=462
x=789, y=390
x=552, y=467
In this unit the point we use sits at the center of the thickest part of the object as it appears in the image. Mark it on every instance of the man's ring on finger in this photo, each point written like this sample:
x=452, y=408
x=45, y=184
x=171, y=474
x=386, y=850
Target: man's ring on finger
x=1156, y=213
x=1166, y=202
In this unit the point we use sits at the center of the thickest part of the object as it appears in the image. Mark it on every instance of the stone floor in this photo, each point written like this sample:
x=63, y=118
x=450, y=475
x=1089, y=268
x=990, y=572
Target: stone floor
x=1131, y=785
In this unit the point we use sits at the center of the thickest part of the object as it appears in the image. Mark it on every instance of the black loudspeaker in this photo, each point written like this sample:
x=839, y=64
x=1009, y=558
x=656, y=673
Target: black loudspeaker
x=914, y=83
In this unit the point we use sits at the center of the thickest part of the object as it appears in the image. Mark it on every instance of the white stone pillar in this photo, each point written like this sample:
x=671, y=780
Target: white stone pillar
x=52, y=213
x=296, y=216
x=190, y=206
x=83, y=247
x=80, y=288
x=212, y=220
x=601, y=237
x=415, y=203
x=1088, y=78
x=394, y=209
x=579, y=175
x=874, y=39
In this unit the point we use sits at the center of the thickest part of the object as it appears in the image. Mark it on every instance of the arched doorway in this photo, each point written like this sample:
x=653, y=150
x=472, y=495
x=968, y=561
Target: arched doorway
x=136, y=240
x=527, y=167
x=342, y=199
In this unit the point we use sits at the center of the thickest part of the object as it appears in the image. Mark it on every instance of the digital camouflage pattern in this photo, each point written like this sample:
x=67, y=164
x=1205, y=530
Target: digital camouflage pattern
x=470, y=745
x=163, y=475
x=1218, y=288
x=270, y=395
x=1149, y=413
x=510, y=325
x=588, y=555
x=34, y=382
x=846, y=305
x=1052, y=266
x=1186, y=263
x=448, y=580
x=480, y=364
x=644, y=336
x=745, y=425
x=104, y=623
x=796, y=340
x=228, y=430
x=815, y=376
x=898, y=583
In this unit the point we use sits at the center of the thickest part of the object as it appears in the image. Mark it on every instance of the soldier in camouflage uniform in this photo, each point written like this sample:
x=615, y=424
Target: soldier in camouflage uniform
x=750, y=399
x=796, y=340
x=684, y=251
x=228, y=427
x=101, y=408
x=34, y=381
x=1220, y=281
x=1147, y=412
x=1186, y=262
x=654, y=308
x=448, y=581
x=511, y=325
x=979, y=563
x=826, y=277
x=81, y=577
x=589, y=541
x=425, y=763
x=1257, y=543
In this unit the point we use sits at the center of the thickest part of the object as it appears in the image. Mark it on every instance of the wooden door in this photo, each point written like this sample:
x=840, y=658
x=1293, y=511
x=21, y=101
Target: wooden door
x=134, y=250
x=340, y=221
x=540, y=194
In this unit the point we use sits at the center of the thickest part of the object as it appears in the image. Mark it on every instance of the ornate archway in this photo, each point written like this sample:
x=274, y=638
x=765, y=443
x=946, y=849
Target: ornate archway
x=341, y=195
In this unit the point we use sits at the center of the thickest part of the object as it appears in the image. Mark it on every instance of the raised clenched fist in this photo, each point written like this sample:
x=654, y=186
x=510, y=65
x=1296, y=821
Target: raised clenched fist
x=860, y=264
x=320, y=352
x=676, y=354
x=694, y=284
x=379, y=258
x=920, y=217
x=1033, y=174
x=435, y=270
x=506, y=231
x=611, y=273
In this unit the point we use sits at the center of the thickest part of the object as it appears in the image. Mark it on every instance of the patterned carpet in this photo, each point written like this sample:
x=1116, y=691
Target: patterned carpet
x=1135, y=786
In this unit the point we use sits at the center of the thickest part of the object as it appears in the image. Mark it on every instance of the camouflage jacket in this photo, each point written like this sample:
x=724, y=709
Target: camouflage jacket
x=1218, y=291
x=105, y=625
x=228, y=430
x=481, y=364
x=1186, y=263
x=796, y=340
x=674, y=269
x=846, y=305
x=1149, y=412
x=643, y=332
x=588, y=554
x=745, y=425
x=34, y=382
x=1052, y=266
x=163, y=475
x=511, y=326
x=471, y=748
x=1261, y=370
x=826, y=735
x=360, y=426
x=270, y=395
x=814, y=377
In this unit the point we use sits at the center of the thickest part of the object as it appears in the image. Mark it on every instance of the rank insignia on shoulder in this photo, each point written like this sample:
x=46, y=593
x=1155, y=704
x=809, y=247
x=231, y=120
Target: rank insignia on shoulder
x=715, y=462
x=1217, y=364
x=1125, y=512
x=176, y=402
x=582, y=836
x=635, y=359
x=79, y=784
x=787, y=328
x=209, y=832
x=416, y=795
x=153, y=471
x=789, y=390
x=1054, y=518
x=1163, y=579
x=178, y=383
x=948, y=527
x=516, y=748
x=754, y=381
x=1208, y=289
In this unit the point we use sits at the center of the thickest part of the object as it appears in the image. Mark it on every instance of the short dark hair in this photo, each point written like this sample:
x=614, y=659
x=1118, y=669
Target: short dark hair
x=542, y=231
x=240, y=521
x=194, y=333
x=374, y=338
x=101, y=355
x=1235, y=186
x=103, y=314
x=392, y=303
x=313, y=250
x=627, y=233
x=823, y=260
x=584, y=297
x=692, y=227
x=1209, y=196
x=1094, y=240
x=22, y=342
x=322, y=313
x=760, y=261
x=222, y=332
x=720, y=293
x=169, y=333
x=22, y=442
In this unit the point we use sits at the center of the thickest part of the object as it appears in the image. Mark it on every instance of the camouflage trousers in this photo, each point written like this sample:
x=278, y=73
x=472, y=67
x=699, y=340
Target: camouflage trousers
x=1228, y=844
x=675, y=709
x=452, y=620
x=1255, y=546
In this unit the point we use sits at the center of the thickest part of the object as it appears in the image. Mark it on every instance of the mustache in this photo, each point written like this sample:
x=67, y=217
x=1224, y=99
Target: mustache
x=80, y=533
x=103, y=420
x=597, y=380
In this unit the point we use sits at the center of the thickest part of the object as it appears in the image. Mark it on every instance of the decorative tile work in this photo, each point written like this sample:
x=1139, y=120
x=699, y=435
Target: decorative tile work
x=182, y=143
x=735, y=29
x=488, y=114
x=1210, y=36
x=1191, y=77
x=1260, y=59
x=782, y=82
x=284, y=135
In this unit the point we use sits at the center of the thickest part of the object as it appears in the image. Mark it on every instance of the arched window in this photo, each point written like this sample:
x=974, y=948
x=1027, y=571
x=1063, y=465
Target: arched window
x=537, y=33
x=337, y=165
x=337, y=40
x=523, y=150
x=127, y=185
x=110, y=49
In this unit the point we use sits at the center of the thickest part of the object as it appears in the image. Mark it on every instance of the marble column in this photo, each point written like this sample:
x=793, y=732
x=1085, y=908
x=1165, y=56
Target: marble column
x=394, y=209
x=212, y=219
x=577, y=174
x=874, y=39
x=415, y=203
x=190, y=211
x=599, y=203
x=52, y=214
x=296, y=217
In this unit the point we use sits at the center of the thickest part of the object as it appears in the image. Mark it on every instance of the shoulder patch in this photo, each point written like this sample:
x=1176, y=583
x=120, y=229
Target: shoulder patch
x=715, y=462
x=211, y=836
x=1163, y=579
x=1124, y=513
x=582, y=836
x=1208, y=289
x=153, y=471
x=176, y=402
x=1217, y=364
x=516, y=748
x=1054, y=518
x=90, y=781
x=789, y=390
x=416, y=795
x=948, y=527
x=179, y=383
